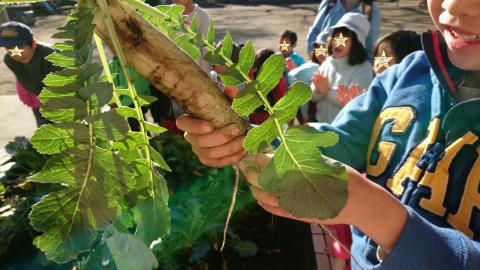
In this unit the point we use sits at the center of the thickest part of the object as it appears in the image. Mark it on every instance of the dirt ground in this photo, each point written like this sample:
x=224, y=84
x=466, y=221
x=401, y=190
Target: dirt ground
x=260, y=23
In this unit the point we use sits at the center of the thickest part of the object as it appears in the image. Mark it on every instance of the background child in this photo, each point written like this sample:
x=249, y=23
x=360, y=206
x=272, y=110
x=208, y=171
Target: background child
x=347, y=64
x=304, y=73
x=331, y=11
x=28, y=63
x=287, y=43
x=396, y=45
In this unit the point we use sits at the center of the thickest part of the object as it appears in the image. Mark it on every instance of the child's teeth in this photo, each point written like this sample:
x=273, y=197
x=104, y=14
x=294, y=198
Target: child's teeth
x=467, y=38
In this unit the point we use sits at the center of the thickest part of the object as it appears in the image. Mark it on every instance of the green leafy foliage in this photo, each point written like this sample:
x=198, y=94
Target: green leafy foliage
x=103, y=171
x=306, y=183
x=284, y=110
x=199, y=202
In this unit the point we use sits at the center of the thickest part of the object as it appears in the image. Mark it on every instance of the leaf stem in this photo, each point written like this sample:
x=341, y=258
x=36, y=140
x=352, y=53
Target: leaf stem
x=106, y=68
x=91, y=148
x=131, y=87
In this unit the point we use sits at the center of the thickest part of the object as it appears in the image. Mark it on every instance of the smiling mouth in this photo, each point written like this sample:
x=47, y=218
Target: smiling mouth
x=459, y=39
x=462, y=35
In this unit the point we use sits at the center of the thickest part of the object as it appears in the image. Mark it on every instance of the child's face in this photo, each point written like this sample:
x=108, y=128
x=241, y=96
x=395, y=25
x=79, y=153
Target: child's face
x=27, y=53
x=338, y=50
x=459, y=21
x=320, y=58
x=384, y=47
x=287, y=49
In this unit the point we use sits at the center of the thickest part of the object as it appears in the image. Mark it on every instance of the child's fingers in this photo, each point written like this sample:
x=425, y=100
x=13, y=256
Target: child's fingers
x=218, y=152
x=216, y=138
x=222, y=162
x=193, y=125
x=263, y=197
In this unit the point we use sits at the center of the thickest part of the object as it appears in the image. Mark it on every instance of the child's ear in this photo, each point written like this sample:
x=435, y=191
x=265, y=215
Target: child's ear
x=34, y=44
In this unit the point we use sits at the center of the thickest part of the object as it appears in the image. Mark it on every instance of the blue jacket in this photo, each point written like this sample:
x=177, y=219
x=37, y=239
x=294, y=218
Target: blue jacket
x=411, y=136
x=329, y=13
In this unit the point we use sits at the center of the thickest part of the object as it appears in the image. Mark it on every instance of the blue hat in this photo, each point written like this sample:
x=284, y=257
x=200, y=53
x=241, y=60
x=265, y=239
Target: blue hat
x=15, y=34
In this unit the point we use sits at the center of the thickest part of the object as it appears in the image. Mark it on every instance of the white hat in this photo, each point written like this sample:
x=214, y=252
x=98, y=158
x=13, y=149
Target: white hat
x=355, y=22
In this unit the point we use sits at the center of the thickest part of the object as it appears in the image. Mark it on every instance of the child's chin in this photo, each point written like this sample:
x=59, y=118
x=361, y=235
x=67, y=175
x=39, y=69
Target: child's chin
x=464, y=60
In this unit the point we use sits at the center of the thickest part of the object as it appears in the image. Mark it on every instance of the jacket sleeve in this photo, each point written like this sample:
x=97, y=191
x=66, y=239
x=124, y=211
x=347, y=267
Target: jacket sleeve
x=423, y=245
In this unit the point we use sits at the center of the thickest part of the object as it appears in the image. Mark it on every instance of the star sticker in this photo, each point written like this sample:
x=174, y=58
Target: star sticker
x=16, y=51
x=284, y=46
x=321, y=51
x=383, y=60
x=341, y=41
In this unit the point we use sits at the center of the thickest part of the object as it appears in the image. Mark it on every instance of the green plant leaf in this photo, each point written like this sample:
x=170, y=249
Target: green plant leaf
x=211, y=33
x=247, y=58
x=247, y=100
x=70, y=217
x=121, y=91
x=306, y=183
x=61, y=78
x=297, y=95
x=129, y=147
x=67, y=46
x=64, y=168
x=214, y=57
x=231, y=77
x=154, y=128
x=151, y=214
x=127, y=112
x=260, y=137
x=146, y=100
x=61, y=59
x=184, y=41
x=271, y=72
x=64, y=109
x=48, y=94
x=109, y=125
x=130, y=253
x=227, y=45
x=194, y=24
x=285, y=110
x=158, y=159
x=52, y=139
x=100, y=93
x=174, y=12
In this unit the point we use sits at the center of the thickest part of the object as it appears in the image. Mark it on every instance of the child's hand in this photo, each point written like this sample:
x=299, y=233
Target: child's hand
x=322, y=85
x=345, y=95
x=378, y=214
x=214, y=147
x=290, y=63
